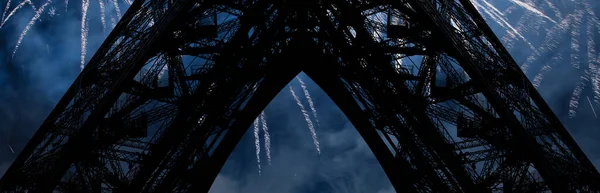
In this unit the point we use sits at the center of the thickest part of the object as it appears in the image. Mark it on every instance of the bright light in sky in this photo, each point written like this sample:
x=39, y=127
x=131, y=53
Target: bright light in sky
x=554, y=41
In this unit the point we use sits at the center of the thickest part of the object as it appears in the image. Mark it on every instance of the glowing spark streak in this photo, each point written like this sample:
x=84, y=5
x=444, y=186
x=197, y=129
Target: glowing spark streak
x=556, y=11
x=257, y=144
x=84, y=31
x=102, y=15
x=485, y=11
x=595, y=81
x=540, y=76
x=310, y=101
x=492, y=7
x=5, y=10
x=32, y=5
x=502, y=22
x=11, y=149
x=12, y=12
x=37, y=15
x=550, y=43
x=509, y=38
x=267, y=136
x=591, y=56
x=591, y=14
x=575, y=35
x=113, y=21
x=532, y=9
x=575, y=39
x=116, y=4
x=545, y=69
x=311, y=127
x=593, y=110
x=66, y=5
x=128, y=2
x=574, y=103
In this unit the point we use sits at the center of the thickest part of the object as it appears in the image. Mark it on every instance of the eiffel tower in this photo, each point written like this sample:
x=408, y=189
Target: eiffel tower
x=176, y=84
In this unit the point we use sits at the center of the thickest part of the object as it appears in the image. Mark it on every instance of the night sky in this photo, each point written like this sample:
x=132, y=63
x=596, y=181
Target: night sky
x=48, y=60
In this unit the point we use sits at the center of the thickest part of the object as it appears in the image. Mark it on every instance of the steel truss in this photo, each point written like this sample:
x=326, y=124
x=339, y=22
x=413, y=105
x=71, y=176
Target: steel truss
x=169, y=94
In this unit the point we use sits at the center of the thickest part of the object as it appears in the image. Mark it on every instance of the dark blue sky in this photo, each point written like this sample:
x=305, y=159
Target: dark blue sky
x=48, y=61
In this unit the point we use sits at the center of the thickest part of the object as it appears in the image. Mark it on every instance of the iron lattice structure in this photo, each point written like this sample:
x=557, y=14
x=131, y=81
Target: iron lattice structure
x=169, y=94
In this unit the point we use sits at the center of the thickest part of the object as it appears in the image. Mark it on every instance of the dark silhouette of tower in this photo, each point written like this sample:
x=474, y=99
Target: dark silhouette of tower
x=197, y=73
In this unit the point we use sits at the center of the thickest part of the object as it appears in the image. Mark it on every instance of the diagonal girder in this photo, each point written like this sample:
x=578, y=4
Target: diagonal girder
x=169, y=94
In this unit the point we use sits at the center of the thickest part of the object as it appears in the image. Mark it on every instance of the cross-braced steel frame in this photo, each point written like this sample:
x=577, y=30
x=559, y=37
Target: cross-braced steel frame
x=169, y=94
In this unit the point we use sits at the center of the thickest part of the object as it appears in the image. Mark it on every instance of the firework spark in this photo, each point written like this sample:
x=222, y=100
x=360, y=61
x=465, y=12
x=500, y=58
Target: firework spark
x=531, y=8
x=37, y=15
x=19, y=6
x=565, y=23
x=102, y=14
x=257, y=144
x=311, y=126
x=84, y=31
x=311, y=104
x=267, y=136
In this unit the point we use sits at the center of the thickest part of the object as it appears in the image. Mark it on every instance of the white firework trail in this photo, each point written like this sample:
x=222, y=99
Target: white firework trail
x=591, y=45
x=311, y=104
x=267, y=136
x=5, y=10
x=592, y=61
x=554, y=9
x=32, y=5
x=500, y=20
x=550, y=43
x=311, y=127
x=24, y=2
x=37, y=15
x=113, y=21
x=574, y=102
x=591, y=14
x=575, y=61
x=492, y=7
x=523, y=25
x=593, y=110
x=531, y=8
x=575, y=35
x=527, y=24
x=547, y=68
x=84, y=31
x=14, y=10
x=116, y=5
x=485, y=11
x=568, y=22
x=595, y=80
x=257, y=144
x=102, y=15
x=128, y=2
